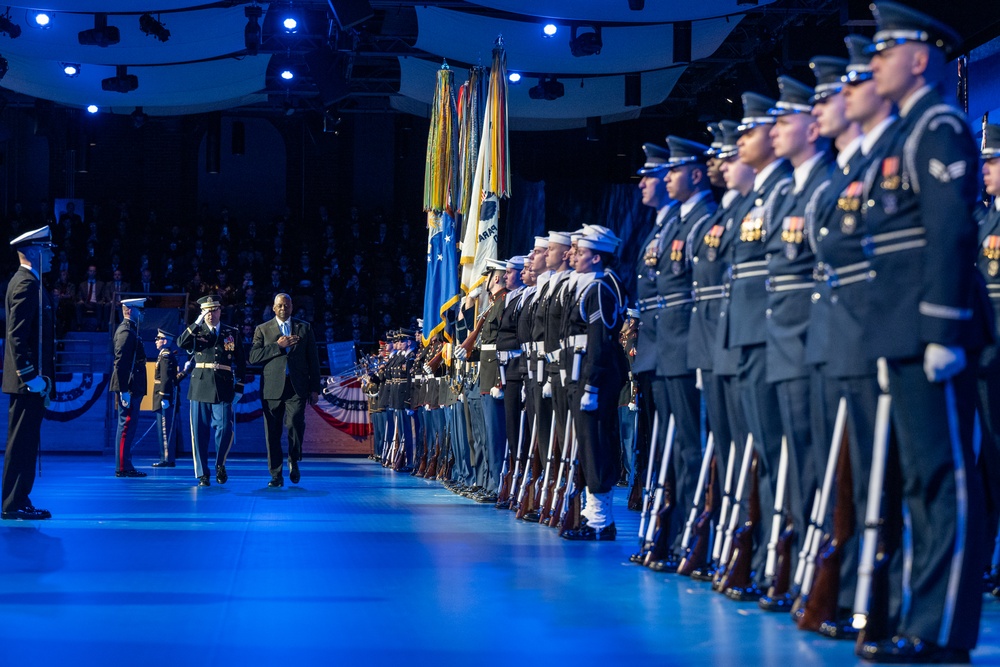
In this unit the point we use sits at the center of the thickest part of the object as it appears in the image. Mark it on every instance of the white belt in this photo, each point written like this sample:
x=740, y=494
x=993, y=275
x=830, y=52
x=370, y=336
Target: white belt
x=214, y=366
x=488, y=347
x=507, y=355
x=572, y=342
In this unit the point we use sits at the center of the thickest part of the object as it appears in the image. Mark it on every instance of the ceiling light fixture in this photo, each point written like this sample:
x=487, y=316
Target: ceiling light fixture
x=92, y=108
x=547, y=89
x=251, y=33
x=549, y=30
x=8, y=27
x=291, y=19
x=101, y=34
x=514, y=77
x=586, y=43
x=153, y=27
x=121, y=82
x=72, y=70
x=42, y=20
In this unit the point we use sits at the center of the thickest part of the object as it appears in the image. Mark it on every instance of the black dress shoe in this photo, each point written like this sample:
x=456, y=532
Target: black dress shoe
x=24, y=514
x=276, y=481
x=749, y=594
x=220, y=473
x=637, y=558
x=911, y=649
x=776, y=603
x=164, y=464
x=405, y=469
x=293, y=473
x=842, y=628
x=45, y=514
x=667, y=565
x=706, y=573
x=588, y=533
x=203, y=481
x=486, y=498
x=531, y=517
x=130, y=473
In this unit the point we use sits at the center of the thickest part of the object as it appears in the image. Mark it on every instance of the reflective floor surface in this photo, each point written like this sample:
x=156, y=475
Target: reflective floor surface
x=354, y=565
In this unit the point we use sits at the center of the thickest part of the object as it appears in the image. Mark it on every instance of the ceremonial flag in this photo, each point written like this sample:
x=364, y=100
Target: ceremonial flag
x=492, y=179
x=441, y=288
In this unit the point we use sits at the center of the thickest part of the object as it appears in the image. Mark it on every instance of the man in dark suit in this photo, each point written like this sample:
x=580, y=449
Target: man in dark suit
x=286, y=348
x=216, y=385
x=28, y=370
x=128, y=381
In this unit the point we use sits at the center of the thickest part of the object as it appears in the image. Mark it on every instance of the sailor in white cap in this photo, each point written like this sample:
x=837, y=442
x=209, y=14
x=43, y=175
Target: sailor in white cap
x=128, y=381
x=28, y=370
x=598, y=370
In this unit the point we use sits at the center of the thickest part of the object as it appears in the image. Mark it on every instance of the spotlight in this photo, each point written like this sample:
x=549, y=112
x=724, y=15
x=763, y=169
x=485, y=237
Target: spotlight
x=92, y=108
x=4, y=66
x=72, y=70
x=138, y=117
x=8, y=27
x=549, y=29
x=514, y=77
x=151, y=26
x=42, y=20
x=291, y=20
x=287, y=74
x=587, y=43
x=251, y=33
x=101, y=34
x=547, y=89
x=121, y=82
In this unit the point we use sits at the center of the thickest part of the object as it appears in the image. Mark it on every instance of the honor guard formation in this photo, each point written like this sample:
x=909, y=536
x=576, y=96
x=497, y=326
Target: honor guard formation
x=801, y=399
x=789, y=398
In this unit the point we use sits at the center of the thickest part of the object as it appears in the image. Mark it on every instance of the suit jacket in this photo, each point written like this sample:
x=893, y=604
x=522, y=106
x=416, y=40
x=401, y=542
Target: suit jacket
x=210, y=385
x=926, y=181
x=128, y=372
x=81, y=292
x=110, y=294
x=22, y=340
x=301, y=360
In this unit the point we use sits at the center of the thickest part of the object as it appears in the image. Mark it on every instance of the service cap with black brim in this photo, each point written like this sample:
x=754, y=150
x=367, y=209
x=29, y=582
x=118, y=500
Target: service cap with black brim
x=36, y=237
x=165, y=335
x=859, y=67
x=717, y=135
x=730, y=135
x=684, y=151
x=829, y=73
x=656, y=160
x=755, y=108
x=209, y=302
x=898, y=24
x=991, y=142
x=794, y=97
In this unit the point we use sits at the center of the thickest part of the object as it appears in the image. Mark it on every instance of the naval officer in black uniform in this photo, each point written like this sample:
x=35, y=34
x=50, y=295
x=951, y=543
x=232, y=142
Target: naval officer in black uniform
x=216, y=386
x=128, y=381
x=28, y=371
x=929, y=318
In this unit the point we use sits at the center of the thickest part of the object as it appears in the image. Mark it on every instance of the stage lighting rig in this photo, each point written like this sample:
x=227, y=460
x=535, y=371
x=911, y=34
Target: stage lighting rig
x=121, y=82
x=8, y=27
x=101, y=34
x=586, y=43
x=151, y=26
x=251, y=33
x=547, y=89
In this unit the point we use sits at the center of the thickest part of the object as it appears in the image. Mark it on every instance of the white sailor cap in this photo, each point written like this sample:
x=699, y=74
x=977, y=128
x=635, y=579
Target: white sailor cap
x=599, y=240
x=41, y=236
x=516, y=262
x=560, y=238
x=541, y=241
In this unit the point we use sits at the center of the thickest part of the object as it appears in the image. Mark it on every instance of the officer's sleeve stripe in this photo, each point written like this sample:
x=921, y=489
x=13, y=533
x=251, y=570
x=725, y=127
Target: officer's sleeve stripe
x=944, y=312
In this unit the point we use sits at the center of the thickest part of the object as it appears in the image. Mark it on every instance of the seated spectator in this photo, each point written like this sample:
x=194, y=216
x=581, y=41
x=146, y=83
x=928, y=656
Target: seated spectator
x=90, y=314
x=64, y=295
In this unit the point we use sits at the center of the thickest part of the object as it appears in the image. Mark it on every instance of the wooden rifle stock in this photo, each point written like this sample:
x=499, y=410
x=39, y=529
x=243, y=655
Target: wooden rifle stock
x=432, y=464
x=696, y=556
x=779, y=548
x=718, y=583
x=822, y=602
x=727, y=499
x=524, y=498
x=839, y=428
x=544, y=493
x=515, y=485
x=737, y=580
x=470, y=341
x=570, y=519
x=659, y=520
x=562, y=480
x=699, y=493
x=447, y=458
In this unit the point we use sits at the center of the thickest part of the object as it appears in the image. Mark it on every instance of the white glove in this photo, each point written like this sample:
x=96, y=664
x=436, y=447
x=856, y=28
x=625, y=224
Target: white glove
x=547, y=389
x=126, y=398
x=496, y=392
x=201, y=318
x=460, y=397
x=588, y=402
x=36, y=385
x=943, y=363
x=164, y=404
x=236, y=398
x=524, y=394
x=633, y=407
x=460, y=353
x=883, y=374
x=698, y=384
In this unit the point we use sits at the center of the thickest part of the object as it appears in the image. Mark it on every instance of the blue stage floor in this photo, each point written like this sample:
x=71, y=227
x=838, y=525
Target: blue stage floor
x=354, y=566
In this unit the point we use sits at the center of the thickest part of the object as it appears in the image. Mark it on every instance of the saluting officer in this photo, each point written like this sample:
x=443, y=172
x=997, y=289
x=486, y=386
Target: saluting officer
x=128, y=381
x=928, y=319
x=28, y=371
x=216, y=386
x=164, y=385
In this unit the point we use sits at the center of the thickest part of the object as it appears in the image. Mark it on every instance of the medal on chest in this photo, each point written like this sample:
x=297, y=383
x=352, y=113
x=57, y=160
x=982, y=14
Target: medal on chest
x=791, y=235
x=229, y=344
x=676, y=256
x=890, y=173
x=712, y=241
x=650, y=257
x=849, y=203
x=752, y=227
x=991, y=251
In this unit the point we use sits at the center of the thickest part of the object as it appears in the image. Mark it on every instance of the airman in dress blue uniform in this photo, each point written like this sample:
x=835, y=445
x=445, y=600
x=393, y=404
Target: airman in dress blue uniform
x=929, y=318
